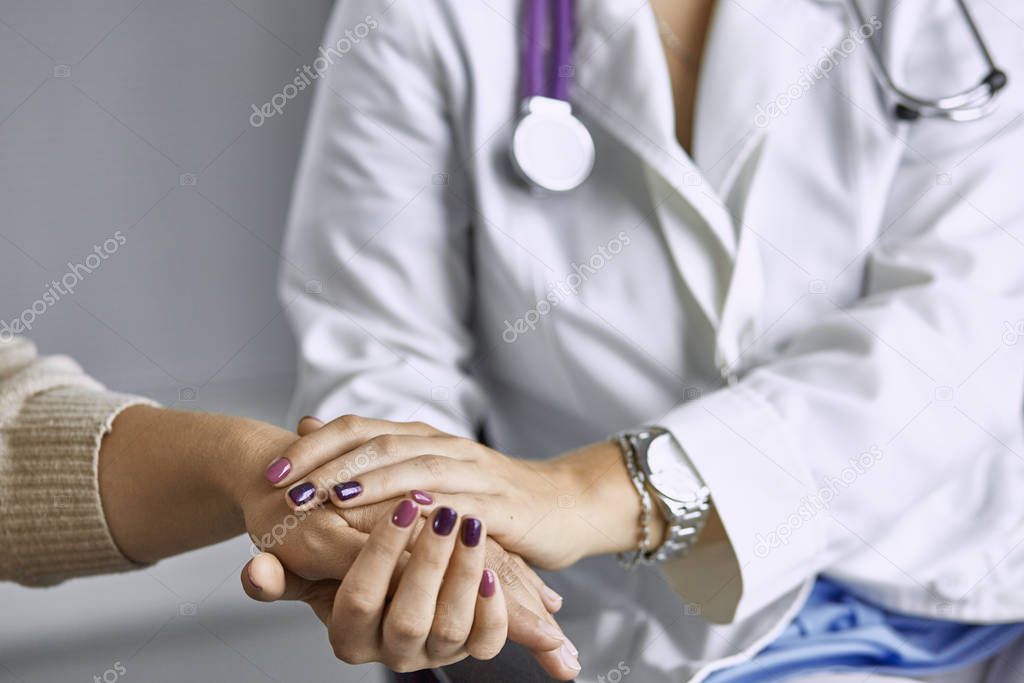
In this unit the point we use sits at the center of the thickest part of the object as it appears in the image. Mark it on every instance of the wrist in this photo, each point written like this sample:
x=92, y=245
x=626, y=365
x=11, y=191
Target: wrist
x=607, y=505
x=238, y=466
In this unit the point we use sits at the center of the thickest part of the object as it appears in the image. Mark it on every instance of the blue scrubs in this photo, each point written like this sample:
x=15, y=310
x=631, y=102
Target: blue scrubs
x=837, y=631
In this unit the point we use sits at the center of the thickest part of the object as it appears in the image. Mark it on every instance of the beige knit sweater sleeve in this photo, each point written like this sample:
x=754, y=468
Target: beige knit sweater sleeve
x=52, y=419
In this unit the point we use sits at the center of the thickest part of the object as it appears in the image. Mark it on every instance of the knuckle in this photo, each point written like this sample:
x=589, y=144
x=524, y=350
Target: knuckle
x=485, y=649
x=356, y=602
x=434, y=563
x=345, y=650
x=312, y=543
x=434, y=466
x=385, y=445
x=421, y=426
x=406, y=627
x=491, y=624
x=351, y=423
x=450, y=634
x=378, y=550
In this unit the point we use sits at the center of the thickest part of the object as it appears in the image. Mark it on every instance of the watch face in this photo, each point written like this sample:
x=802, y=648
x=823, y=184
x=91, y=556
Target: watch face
x=669, y=471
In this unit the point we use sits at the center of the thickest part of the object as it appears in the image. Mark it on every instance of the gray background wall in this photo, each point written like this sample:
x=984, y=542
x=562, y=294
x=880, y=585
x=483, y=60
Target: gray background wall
x=121, y=115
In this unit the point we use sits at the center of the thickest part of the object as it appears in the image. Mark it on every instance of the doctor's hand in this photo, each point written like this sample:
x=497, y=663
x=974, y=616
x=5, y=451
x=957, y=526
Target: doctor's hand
x=552, y=512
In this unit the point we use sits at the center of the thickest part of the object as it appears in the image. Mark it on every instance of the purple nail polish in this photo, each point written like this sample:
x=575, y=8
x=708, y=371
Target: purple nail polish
x=444, y=521
x=303, y=493
x=471, y=527
x=488, y=583
x=422, y=497
x=405, y=513
x=350, y=489
x=278, y=470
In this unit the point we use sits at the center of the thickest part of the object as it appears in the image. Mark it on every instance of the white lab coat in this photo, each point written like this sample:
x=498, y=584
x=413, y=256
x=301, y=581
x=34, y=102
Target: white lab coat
x=862, y=278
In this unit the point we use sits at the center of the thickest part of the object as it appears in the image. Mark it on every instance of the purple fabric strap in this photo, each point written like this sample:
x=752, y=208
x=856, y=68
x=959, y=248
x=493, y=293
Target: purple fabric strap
x=536, y=19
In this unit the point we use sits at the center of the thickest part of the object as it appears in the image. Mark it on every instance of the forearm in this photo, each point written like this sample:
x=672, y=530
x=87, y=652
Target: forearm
x=169, y=479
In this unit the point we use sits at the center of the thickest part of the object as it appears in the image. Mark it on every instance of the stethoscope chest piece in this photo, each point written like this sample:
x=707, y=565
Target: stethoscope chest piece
x=551, y=149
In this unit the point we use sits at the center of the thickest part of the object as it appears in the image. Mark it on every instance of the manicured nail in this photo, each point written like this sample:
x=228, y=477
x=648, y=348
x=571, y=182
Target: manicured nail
x=278, y=470
x=405, y=513
x=471, y=527
x=569, y=659
x=303, y=493
x=550, y=594
x=488, y=583
x=350, y=489
x=422, y=497
x=444, y=521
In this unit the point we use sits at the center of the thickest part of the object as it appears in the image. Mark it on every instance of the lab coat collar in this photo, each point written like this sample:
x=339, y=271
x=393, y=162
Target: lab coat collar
x=756, y=50
x=756, y=54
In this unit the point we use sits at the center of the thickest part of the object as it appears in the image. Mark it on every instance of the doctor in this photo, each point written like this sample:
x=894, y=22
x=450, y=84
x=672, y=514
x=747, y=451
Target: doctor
x=796, y=311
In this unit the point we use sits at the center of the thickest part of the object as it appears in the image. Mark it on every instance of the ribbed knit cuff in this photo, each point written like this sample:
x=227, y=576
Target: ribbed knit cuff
x=52, y=525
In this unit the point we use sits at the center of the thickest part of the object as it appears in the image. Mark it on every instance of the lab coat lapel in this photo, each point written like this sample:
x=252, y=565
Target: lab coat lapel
x=758, y=54
x=755, y=54
x=755, y=50
x=622, y=84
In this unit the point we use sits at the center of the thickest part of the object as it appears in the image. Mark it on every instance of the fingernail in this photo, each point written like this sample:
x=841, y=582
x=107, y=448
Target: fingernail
x=248, y=573
x=303, y=493
x=569, y=659
x=350, y=489
x=572, y=649
x=444, y=521
x=550, y=594
x=488, y=583
x=422, y=497
x=471, y=527
x=405, y=513
x=278, y=470
x=308, y=417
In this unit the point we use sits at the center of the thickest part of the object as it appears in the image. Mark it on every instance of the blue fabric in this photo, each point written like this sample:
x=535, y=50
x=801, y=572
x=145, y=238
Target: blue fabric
x=837, y=631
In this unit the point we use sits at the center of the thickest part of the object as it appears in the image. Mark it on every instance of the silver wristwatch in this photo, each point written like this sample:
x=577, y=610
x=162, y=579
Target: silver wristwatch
x=661, y=467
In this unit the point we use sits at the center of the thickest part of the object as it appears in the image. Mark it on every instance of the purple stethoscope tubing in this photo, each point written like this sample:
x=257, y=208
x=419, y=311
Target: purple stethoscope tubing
x=555, y=83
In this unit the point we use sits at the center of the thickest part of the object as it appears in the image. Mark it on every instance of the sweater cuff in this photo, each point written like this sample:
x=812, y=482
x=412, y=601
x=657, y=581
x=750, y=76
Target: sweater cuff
x=54, y=527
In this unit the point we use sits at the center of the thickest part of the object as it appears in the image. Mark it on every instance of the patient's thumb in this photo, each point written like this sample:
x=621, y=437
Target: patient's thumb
x=308, y=424
x=265, y=579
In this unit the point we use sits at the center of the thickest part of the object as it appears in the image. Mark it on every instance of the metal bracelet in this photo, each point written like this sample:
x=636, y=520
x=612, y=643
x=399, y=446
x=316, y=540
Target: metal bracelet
x=631, y=559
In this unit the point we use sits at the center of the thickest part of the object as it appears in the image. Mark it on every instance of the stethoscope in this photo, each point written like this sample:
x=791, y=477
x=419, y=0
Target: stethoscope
x=553, y=151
